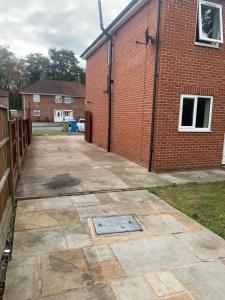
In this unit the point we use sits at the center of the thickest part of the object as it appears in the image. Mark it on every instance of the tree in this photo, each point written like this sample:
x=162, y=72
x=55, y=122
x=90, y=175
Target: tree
x=12, y=71
x=12, y=75
x=63, y=65
x=36, y=66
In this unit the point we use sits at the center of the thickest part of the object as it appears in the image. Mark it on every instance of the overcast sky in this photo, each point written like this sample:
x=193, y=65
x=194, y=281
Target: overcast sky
x=30, y=26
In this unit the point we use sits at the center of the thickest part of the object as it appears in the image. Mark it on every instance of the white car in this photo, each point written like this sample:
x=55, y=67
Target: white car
x=81, y=125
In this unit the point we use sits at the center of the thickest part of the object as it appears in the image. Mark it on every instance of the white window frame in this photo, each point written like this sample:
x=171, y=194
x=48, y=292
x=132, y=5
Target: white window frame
x=36, y=114
x=201, y=37
x=71, y=100
x=193, y=127
x=58, y=99
x=36, y=98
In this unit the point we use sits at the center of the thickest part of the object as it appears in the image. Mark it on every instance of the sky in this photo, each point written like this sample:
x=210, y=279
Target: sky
x=30, y=26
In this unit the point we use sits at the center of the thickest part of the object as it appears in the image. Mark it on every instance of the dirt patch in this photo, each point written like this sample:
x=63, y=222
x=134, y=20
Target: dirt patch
x=62, y=181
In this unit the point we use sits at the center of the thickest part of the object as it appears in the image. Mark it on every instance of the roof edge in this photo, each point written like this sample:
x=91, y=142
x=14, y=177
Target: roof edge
x=46, y=94
x=118, y=22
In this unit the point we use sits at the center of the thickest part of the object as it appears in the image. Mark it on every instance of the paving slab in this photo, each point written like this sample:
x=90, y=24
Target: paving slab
x=95, y=292
x=63, y=271
x=133, y=289
x=205, y=281
x=98, y=253
x=105, y=271
x=164, y=283
x=152, y=254
x=162, y=224
x=204, y=244
x=22, y=282
x=44, y=204
x=76, y=236
x=37, y=242
x=48, y=218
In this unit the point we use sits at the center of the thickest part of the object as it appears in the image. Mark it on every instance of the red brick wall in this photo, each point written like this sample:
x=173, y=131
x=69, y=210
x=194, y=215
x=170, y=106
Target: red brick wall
x=190, y=69
x=96, y=96
x=47, y=105
x=183, y=68
x=132, y=88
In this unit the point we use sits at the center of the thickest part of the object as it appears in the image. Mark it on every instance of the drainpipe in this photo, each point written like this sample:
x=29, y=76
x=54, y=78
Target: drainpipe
x=154, y=98
x=109, y=37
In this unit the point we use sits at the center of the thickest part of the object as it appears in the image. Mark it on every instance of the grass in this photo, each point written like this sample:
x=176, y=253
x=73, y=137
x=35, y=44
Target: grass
x=203, y=202
x=39, y=132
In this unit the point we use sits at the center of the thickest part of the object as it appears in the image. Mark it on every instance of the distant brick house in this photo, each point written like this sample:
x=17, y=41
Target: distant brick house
x=168, y=95
x=51, y=100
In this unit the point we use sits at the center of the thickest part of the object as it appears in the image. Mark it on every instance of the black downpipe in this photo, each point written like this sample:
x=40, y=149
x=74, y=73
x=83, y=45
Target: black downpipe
x=154, y=98
x=110, y=76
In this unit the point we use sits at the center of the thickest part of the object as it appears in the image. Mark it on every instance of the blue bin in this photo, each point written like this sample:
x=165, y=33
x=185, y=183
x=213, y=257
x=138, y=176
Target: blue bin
x=74, y=126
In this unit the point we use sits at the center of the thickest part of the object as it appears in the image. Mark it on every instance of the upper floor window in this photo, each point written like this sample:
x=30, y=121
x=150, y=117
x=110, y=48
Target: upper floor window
x=195, y=113
x=36, y=98
x=68, y=100
x=58, y=99
x=209, y=30
x=36, y=113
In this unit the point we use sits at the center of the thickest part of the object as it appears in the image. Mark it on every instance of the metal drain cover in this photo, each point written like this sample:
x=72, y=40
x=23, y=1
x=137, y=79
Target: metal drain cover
x=115, y=224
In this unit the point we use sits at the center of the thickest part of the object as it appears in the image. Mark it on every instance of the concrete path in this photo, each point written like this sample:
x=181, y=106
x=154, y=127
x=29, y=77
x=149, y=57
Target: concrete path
x=67, y=165
x=58, y=255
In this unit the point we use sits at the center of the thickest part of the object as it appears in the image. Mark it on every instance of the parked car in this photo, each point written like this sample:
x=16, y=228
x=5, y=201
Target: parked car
x=81, y=125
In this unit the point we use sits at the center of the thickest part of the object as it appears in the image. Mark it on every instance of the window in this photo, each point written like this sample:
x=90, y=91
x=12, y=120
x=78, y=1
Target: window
x=68, y=100
x=209, y=28
x=58, y=99
x=36, y=113
x=36, y=98
x=195, y=113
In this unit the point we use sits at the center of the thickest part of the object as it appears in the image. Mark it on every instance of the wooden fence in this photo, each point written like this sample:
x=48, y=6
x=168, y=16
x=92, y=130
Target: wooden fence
x=15, y=136
x=6, y=178
x=20, y=139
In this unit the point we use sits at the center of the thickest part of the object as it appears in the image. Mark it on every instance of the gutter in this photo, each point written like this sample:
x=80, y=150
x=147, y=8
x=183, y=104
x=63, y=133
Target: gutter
x=122, y=18
x=154, y=98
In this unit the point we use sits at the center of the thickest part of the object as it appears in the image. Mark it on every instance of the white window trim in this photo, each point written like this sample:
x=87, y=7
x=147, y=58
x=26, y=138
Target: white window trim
x=36, y=110
x=36, y=101
x=71, y=100
x=193, y=127
x=200, y=21
x=216, y=45
x=56, y=101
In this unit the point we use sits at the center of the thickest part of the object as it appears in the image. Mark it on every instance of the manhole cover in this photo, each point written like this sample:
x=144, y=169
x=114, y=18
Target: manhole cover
x=116, y=224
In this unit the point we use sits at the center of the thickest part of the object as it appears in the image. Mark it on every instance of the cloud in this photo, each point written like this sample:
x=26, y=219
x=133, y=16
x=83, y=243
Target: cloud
x=34, y=26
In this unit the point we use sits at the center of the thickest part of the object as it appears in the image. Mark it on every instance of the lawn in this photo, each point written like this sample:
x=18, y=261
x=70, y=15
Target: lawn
x=38, y=132
x=203, y=202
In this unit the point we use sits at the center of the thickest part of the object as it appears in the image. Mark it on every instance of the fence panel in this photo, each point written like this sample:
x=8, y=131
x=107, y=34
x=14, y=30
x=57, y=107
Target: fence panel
x=6, y=185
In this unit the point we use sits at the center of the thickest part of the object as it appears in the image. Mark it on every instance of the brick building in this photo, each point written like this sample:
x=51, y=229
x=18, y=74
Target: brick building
x=51, y=100
x=167, y=108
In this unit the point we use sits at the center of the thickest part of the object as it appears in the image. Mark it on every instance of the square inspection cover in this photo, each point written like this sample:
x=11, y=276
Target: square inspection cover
x=115, y=224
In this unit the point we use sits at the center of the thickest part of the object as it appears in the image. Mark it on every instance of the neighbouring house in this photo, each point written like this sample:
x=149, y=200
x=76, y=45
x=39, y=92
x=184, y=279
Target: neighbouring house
x=51, y=100
x=166, y=109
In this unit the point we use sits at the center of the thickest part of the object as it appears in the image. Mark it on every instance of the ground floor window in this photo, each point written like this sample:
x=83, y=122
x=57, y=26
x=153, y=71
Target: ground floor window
x=195, y=113
x=36, y=113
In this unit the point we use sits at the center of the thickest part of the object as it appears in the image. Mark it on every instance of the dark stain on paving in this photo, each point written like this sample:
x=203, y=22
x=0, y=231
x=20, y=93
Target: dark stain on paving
x=62, y=181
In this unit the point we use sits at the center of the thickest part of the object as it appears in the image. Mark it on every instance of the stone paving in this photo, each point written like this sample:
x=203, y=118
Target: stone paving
x=58, y=256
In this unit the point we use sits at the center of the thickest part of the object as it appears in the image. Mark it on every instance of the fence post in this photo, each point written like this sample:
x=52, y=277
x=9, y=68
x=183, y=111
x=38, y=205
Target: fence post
x=10, y=159
x=18, y=145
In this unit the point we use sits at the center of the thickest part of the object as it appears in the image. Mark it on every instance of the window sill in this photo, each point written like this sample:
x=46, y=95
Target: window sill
x=216, y=46
x=195, y=130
